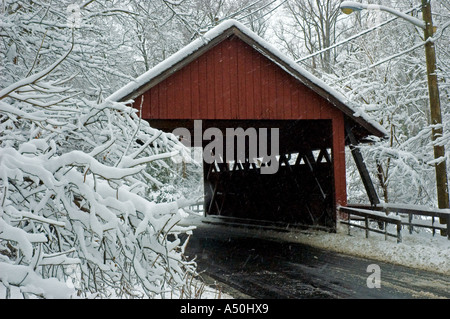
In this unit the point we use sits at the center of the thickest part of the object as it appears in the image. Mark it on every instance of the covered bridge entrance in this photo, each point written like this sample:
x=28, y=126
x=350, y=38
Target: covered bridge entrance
x=230, y=79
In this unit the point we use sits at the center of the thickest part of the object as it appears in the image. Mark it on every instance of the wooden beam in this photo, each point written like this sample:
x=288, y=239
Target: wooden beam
x=362, y=169
x=311, y=162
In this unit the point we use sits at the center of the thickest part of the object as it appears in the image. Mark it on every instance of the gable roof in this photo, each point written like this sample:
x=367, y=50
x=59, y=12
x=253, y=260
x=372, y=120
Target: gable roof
x=232, y=27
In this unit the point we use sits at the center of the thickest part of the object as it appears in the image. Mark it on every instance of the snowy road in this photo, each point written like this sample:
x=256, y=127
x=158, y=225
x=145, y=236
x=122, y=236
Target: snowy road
x=268, y=268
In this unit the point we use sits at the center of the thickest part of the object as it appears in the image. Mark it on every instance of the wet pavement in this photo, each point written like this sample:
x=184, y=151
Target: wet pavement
x=259, y=267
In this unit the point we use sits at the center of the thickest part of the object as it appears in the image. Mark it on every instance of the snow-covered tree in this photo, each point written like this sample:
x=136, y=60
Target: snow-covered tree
x=74, y=188
x=157, y=29
x=77, y=177
x=378, y=62
x=37, y=33
x=310, y=26
x=385, y=72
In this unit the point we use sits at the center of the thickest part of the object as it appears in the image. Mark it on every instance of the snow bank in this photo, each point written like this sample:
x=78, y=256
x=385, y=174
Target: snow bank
x=419, y=250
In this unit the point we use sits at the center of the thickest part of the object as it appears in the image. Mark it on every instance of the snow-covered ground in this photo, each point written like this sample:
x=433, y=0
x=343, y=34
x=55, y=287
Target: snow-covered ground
x=419, y=250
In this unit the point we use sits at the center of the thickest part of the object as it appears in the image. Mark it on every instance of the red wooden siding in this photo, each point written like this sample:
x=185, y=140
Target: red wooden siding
x=234, y=81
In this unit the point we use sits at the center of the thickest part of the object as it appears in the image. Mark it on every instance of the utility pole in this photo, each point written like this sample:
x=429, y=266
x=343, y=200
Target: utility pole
x=435, y=107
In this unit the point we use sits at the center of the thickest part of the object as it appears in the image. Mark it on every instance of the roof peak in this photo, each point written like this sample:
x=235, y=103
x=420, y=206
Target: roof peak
x=126, y=91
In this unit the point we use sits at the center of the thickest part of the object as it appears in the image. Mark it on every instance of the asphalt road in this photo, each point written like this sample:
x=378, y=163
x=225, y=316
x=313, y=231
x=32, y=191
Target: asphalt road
x=256, y=267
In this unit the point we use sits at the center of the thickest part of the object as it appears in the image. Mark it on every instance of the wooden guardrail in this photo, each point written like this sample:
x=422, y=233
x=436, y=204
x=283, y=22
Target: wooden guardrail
x=437, y=215
x=411, y=211
x=369, y=215
x=197, y=208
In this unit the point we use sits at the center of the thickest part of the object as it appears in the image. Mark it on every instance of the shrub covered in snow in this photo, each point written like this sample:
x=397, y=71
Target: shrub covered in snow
x=75, y=187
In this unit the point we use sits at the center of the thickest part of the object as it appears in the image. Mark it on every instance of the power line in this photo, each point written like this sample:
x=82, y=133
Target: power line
x=234, y=14
x=383, y=61
x=275, y=8
x=260, y=8
x=238, y=12
x=353, y=37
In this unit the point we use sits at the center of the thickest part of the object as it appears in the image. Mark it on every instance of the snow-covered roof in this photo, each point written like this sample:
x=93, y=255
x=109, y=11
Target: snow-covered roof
x=222, y=31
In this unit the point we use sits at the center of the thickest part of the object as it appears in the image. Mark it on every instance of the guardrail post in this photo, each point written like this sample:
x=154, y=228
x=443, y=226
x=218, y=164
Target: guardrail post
x=432, y=225
x=448, y=228
x=385, y=230
x=410, y=227
x=366, y=222
x=349, y=220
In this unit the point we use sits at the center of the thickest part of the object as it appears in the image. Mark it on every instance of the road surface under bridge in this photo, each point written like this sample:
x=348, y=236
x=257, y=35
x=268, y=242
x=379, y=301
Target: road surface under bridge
x=258, y=267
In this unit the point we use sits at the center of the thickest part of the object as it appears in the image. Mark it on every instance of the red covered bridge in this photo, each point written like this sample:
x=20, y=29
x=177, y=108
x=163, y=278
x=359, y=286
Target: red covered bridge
x=232, y=78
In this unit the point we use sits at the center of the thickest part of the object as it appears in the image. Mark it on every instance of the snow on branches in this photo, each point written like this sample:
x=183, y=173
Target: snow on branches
x=75, y=185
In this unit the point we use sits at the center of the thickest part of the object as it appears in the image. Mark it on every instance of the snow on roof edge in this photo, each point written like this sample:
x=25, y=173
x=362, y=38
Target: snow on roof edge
x=192, y=47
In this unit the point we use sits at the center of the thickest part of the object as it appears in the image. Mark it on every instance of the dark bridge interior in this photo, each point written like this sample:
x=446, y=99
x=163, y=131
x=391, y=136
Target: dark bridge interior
x=300, y=192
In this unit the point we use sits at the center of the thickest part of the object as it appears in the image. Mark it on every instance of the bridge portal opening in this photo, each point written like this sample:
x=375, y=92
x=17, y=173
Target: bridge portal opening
x=297, y=190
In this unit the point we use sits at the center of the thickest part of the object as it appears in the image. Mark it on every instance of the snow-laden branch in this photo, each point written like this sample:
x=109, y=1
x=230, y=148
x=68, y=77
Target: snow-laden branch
x=32, y=79
x=31, y=283
x=64, y=202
